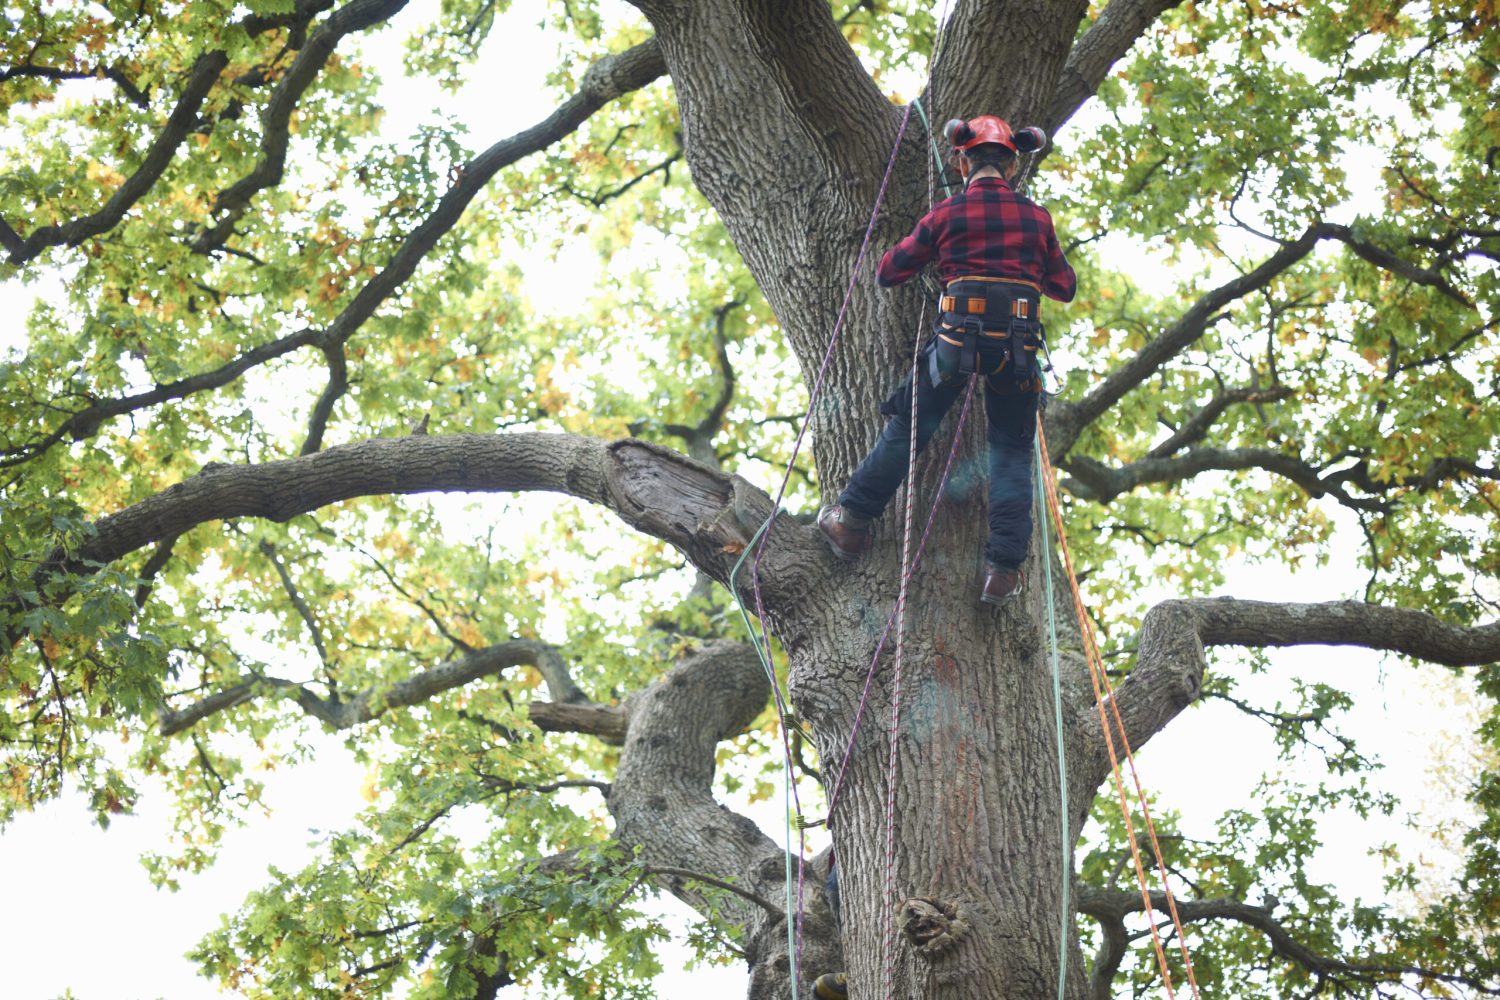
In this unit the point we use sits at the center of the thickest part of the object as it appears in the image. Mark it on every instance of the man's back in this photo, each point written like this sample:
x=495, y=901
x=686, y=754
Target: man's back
x=986, y=230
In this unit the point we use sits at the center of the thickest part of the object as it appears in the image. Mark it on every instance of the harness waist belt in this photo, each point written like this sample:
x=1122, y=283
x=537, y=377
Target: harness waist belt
x=996, y=301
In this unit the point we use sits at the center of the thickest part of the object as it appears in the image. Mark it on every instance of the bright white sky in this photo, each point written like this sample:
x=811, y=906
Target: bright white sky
x=90, y=922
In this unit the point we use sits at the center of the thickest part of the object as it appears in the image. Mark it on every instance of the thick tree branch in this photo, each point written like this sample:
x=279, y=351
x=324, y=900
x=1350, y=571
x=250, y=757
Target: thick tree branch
x=1106, y=41
x=663, y=803
x=607, y=722
x=606, y=80
x=127, y=87
x=341, y=713
x=706, y=514
x=1093, y=480
x=818, y=75
x=1111, y=907
x=230, y=205
x=1170, y=663
x=202, y=77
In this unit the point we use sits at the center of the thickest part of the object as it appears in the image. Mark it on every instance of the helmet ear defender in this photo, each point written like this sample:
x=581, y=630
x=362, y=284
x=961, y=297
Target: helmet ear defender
x=958, y=132
x=1029, y=139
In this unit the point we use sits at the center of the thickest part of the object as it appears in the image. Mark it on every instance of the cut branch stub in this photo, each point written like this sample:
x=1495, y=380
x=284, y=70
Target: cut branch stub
x=933, y=926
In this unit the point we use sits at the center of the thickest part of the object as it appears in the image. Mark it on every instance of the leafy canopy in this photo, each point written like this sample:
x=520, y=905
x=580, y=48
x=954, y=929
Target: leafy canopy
x=1367, y=365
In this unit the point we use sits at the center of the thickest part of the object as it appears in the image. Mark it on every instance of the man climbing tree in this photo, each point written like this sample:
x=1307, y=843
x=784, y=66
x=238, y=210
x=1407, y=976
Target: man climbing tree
x=279, y=333
x=996, y=255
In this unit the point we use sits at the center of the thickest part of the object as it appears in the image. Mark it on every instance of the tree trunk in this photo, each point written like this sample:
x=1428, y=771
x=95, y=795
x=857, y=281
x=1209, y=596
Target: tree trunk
x=790, y=146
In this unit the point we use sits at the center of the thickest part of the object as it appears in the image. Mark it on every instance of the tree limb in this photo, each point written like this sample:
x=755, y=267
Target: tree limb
x=230, y=205
x=706, y=514
x=289, y=585
x=202, y=77
x=86, y=422
x=1068, y=419
x=338, y=384
x=341, y=713
x=184, y=118
x=609, y=78
x=1094, y=480
x=1386, y=260
x=1169, y=664
x=663, y=804
x=1195, y=427
x=1107, y=40
x=127, y=87
x=1110, y=907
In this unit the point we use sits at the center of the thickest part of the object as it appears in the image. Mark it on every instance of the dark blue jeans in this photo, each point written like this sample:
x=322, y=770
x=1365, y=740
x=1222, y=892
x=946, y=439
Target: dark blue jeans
x=1010, y=409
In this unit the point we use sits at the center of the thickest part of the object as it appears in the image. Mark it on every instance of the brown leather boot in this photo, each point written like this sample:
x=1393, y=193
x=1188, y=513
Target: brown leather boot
x=847, y=534
x=831, y=986
x=1000, y=584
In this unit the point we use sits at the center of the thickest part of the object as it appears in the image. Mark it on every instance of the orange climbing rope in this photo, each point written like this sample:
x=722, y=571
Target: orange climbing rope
x=1104, y=693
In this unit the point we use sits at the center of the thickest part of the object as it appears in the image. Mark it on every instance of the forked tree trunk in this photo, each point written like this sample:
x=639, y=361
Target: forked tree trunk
x=788, y=138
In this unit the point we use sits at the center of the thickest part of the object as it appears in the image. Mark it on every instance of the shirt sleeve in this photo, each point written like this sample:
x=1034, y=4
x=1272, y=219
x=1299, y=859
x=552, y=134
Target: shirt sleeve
x=902, y=261
x=1059, y=282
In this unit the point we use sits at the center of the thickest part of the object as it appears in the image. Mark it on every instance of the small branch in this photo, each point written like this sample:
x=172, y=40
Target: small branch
x=269, y=551
x=602, y=196
x=1198, y=425
x=1388, y=261
x=132, y=93
x=419, y=687
x=85, y=423
x=774, y=910
x=153, y=566
x=338, y=384
x=1094, y=480
x=1070, y=418
x=230, y=205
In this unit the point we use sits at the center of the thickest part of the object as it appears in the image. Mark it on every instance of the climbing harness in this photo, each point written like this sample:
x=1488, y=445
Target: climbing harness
x=976, y=309
x=1104, y=694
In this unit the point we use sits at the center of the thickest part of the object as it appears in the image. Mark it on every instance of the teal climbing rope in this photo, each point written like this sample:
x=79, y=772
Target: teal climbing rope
x=1062, y=752
x=786, y=763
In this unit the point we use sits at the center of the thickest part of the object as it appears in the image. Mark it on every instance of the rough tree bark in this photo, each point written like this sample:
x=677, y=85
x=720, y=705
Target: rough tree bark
x=788, y=141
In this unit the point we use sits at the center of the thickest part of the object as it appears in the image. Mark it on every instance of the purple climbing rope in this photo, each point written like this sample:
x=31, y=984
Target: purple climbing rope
x=760, y=610
x=890, y=620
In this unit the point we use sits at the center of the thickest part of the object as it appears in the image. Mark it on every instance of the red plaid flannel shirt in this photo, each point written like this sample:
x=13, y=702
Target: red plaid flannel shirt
x=986, y=230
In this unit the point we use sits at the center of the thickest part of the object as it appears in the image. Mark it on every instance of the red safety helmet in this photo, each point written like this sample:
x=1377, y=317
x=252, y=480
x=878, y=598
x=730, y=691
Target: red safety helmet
x=965, y=135
x=987, y=130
